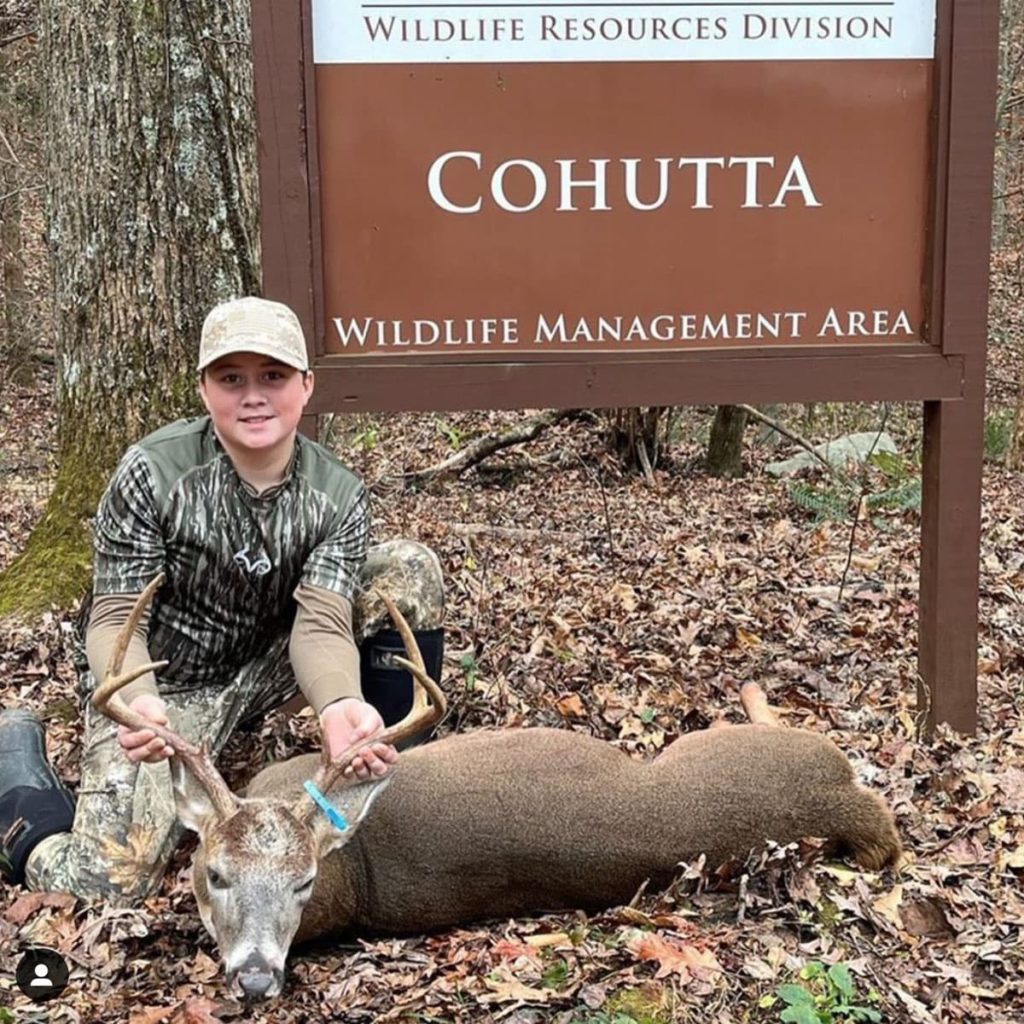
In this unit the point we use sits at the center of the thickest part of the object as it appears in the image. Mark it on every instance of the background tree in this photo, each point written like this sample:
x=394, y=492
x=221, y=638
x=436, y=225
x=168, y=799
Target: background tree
x=1007, y=219
x=19, y=98
x=724, y=456
x=152, y=211
x=639, y=435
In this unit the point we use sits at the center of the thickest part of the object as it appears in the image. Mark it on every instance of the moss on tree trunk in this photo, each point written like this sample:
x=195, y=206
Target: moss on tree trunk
x=152, y=216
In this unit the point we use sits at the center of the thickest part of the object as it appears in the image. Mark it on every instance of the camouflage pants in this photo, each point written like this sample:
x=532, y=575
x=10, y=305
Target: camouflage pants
x=126, y=826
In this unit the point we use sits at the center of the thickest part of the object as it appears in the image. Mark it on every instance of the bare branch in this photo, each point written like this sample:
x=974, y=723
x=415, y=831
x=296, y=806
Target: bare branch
x=18, y=191
x=512, y=532
x=786, y=432
x=13, y=39
x=487, y=445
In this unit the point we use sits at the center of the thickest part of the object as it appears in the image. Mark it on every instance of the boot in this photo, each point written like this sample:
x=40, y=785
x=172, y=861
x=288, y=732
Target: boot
x=388, y=688
x=34, y=803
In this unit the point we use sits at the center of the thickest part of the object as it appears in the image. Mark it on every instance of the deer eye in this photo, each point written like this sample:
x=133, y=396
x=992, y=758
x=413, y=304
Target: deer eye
x=305, y=888
x=215, y=879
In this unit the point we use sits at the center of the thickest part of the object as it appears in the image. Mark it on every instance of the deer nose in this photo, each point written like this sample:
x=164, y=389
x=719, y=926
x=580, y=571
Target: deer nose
x=257, y=979
x=256, y=984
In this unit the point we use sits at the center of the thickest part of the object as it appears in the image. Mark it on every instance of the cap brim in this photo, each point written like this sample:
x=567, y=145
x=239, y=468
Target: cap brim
x=258, y=345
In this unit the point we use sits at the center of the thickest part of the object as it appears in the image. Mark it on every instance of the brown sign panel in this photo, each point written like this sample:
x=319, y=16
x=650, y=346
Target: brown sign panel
x=471, y=211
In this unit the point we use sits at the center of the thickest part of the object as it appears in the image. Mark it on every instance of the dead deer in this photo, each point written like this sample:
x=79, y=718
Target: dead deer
x=491, y=824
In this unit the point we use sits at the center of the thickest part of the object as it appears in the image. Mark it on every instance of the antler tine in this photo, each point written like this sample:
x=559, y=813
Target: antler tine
x=421, y=716
x=108, y=701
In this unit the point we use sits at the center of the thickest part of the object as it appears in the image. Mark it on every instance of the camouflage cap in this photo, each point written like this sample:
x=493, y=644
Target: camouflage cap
x=253, y=325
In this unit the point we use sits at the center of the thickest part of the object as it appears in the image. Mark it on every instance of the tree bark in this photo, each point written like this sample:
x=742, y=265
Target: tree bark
x=152, y=212
x=14, y=178
x=637, y=436
x=725, y=446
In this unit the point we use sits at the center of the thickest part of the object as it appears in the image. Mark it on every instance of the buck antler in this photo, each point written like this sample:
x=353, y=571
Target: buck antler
x=429, y=705
x=107, y=700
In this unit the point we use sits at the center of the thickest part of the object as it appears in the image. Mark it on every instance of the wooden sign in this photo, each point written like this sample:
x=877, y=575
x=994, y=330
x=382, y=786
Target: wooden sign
x=612, y=178
x=484, y=205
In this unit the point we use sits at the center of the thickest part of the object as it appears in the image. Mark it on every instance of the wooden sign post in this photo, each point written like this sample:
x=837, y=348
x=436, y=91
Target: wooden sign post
x=523, y=205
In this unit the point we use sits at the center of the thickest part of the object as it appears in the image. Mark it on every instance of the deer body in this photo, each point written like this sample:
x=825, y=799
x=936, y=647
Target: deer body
x=494, y=824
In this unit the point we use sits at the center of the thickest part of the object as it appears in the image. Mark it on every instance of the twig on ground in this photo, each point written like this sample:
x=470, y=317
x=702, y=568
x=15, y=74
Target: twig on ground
x=512, y=532
x=797, y=439
x=18, y=191
x=604, y=504
x=487, y=445
x=7, y=40
x=860, y=500
x=645, y=461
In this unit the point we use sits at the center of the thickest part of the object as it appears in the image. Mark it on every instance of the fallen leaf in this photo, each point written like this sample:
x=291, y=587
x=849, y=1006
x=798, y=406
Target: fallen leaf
x=570, y=706
x=843, y=875
x=672, y=957
x=507, y=989
x=594, y=996
x=204, y=968
x=759, y=969
x=888, y=906
x=867, y=563
x=30, y=903
x=198, y=1010
x=747, y=639
x=624, y=595
x=925, y=917
x=151, y=1015
x=512, y=949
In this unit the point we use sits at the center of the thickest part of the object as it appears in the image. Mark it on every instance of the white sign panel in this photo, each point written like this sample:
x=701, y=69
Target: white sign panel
x=420, y=32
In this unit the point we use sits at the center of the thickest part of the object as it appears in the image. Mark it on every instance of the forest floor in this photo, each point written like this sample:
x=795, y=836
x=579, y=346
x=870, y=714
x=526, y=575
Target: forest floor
x=587, y=598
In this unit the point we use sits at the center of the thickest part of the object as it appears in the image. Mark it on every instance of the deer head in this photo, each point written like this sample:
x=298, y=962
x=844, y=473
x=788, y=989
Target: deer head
x=257, y=860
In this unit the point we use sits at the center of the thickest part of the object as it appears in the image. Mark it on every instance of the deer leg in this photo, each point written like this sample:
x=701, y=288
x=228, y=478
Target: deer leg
x=756, y=705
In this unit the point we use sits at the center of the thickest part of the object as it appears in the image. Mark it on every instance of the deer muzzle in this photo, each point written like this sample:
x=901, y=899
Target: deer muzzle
x=256, y=979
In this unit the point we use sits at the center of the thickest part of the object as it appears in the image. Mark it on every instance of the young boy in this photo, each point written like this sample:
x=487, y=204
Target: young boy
x=262, y=535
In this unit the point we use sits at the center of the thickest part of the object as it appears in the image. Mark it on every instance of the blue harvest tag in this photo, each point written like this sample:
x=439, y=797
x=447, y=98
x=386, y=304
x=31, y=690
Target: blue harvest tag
x=334, y=816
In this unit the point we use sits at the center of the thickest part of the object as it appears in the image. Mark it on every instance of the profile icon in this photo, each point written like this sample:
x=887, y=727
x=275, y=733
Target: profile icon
x=42, y=976
x=42, y=973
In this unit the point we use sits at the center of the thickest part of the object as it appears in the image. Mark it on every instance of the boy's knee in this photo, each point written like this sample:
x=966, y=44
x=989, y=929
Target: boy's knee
x=410, y=573
x=93, y=866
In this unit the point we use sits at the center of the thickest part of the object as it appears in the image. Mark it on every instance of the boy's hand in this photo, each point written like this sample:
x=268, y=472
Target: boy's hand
x=144, y=744
x=347, y=722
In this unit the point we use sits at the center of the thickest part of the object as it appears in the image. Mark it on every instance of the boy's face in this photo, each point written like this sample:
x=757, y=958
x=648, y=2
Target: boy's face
x=255, y=401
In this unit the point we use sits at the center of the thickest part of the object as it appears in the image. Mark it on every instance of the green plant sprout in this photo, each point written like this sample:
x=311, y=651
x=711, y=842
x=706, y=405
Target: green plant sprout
x=825, y=996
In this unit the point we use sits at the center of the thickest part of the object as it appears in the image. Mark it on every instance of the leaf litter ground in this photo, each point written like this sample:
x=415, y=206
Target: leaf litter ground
x=583, y=597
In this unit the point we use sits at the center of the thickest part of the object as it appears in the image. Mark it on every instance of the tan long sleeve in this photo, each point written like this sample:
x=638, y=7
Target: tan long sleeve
x=322, y=649
x=109, y=614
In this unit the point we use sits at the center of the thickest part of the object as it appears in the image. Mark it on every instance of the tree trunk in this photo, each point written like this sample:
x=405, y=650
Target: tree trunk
x=1015, y=449
x=638, y=435
x=151, y=196
x=14, y=338
x=725, y=446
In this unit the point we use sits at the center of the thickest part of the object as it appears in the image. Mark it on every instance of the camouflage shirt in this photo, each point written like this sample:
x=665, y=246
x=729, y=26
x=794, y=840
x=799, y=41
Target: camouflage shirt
x=233, y=558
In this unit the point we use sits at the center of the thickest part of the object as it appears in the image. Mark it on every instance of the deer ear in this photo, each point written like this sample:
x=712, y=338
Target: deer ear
x=191, y=801
x=353, y=803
